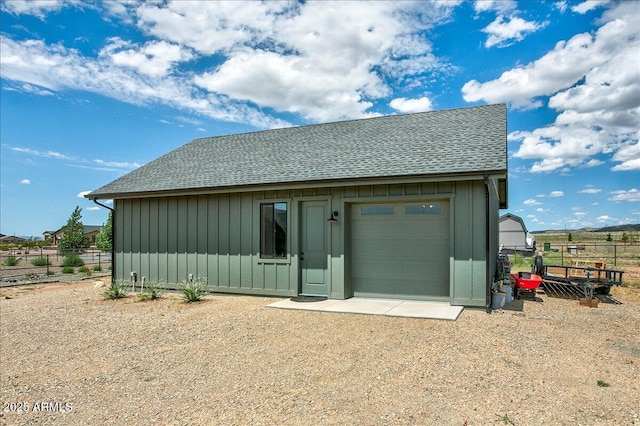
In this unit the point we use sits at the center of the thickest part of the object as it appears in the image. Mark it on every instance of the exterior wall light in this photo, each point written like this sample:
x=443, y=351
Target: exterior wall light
x=333, y=217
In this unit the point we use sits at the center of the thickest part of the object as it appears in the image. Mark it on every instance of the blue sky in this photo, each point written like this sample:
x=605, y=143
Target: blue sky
x=92, y=90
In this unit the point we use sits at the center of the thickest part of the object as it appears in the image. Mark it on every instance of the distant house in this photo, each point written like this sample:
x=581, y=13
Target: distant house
x=11, y=239
x=49, y=235
x=90, y=231
x=514, y=235
x=402, y=206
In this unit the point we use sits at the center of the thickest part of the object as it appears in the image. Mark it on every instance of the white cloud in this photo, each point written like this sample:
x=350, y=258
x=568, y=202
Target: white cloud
x=57, y=68
x=558, y=146
x=79, y=162
x=605, y=218
x=284, y=83
x=38, y=8
x=593, y=82
x=588, y=5
x=558, y=69
x=323, y=63
x=531, y=202
x=25, y=181
x=504, y=31
x=500, y=6
x=556, y=194
x=83, y=193
x=405, y=105
x=155, y=58
x=507, y=28
x=120, y=165
x=561, y=6
x=632, y=195
x=213, y=27
x=46, y=154
x=629, y=156
x=593, y=163
x=589, y=191
x=321, y=60
x=563, y=66
x=29, y=88
x=633, y=164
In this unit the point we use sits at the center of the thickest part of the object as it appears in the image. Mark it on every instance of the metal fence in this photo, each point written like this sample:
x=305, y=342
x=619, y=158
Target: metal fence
x=21, y=264
x=613, y=253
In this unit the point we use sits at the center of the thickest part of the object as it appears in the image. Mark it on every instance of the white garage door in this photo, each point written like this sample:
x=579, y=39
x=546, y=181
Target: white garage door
x=400, y=250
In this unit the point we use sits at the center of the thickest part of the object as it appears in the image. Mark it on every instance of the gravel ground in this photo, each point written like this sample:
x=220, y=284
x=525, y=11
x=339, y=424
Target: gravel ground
x=70, y=357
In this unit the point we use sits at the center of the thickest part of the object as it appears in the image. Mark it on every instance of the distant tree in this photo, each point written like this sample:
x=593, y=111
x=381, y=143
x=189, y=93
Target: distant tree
x=30, y=243
x=569, y=237
x=103, y=240
x=73, y=239
x=44, y=243
x=609, y=237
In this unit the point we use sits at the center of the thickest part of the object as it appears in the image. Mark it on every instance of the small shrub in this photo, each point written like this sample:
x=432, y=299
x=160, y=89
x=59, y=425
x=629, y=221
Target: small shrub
x=11, y=261
x=72, y=260
x=603, y=384
x=97, y=268
x=117, y=290
x=40, y=261
x=85, y=270
x=193, y=291
x=151, y=292
x=506, y=420
x=68, y=270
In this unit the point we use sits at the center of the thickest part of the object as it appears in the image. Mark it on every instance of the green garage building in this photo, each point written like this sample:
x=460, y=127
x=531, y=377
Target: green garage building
x=403, y=206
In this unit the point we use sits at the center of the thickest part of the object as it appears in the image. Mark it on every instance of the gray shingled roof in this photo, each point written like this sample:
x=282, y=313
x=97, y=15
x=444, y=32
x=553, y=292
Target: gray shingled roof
x=457, y=141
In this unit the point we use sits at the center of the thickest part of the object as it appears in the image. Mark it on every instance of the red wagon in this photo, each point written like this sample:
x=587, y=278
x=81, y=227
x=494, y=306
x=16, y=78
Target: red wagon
x=525, y=281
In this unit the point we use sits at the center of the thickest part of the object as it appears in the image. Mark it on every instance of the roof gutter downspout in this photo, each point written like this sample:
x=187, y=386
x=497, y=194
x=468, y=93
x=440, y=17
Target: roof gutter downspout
x=113, y=233
x=487, y=244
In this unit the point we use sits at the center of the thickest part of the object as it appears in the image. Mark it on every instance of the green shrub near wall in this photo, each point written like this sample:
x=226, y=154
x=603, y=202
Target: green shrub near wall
x=72, y=260
x=11, y=261
x=40, y=261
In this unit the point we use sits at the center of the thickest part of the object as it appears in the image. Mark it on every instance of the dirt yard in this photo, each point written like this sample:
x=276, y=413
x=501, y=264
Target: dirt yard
x=67, y=356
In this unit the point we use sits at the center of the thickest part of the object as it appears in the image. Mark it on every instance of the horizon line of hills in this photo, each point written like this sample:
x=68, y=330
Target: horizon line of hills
x=616, y=228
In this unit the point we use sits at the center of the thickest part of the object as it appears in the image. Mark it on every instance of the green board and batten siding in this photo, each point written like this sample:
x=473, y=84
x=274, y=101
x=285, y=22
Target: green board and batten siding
x=208, y=236
x=215, y=237
x=469, y=259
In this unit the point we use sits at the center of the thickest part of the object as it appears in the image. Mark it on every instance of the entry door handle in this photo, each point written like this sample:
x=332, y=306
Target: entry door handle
x=302, y=256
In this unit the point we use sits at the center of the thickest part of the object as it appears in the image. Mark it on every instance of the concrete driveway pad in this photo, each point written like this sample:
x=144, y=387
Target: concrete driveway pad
x=370, y=306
